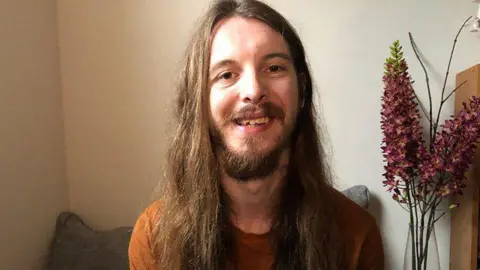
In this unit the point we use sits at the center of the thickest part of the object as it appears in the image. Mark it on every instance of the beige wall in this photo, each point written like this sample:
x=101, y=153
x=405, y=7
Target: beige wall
x=119, y=58
x=33, y=189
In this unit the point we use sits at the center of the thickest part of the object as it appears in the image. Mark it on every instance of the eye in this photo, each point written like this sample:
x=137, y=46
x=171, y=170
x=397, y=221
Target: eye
x=275, y=68
x=226, y=76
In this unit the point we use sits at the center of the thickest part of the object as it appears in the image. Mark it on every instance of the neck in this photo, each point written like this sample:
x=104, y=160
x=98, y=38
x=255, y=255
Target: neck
x=253, y=203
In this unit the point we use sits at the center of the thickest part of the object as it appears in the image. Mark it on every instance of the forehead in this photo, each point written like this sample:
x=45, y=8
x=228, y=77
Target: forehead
x=238, y=37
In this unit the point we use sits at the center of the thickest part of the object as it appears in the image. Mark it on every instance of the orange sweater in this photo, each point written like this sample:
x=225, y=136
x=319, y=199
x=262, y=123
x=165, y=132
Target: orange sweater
x=357, y=225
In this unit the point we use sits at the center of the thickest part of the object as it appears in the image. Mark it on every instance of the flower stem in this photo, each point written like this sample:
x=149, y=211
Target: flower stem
x=437, y=219
x=427, y=79
x=430, y=228
x=446, y=76
x=422, y=107
x=421, y=254
x=413, y=195
x=453, y=91
x=412, y=230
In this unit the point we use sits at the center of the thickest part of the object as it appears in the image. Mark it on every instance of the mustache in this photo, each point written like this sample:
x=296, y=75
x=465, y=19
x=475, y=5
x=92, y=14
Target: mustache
x=267, y=109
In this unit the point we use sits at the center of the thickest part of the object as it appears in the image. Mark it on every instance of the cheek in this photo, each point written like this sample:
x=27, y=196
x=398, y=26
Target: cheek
x=220, y=104
x=287, y=92
x=213, y=101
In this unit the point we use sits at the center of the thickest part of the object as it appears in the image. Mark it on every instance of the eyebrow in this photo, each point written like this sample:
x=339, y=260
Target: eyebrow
x=220, y=64
x=266, y=57
x=277, y=55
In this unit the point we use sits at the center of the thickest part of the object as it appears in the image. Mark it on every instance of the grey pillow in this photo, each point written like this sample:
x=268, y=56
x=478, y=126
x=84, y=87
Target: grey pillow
x=359, y=194
x=75, y=246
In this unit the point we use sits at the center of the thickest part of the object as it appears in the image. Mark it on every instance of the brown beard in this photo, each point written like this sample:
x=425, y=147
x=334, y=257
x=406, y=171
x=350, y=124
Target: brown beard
x=250, y=165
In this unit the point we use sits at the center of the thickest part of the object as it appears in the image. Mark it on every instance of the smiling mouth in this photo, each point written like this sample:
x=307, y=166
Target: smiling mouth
x=253, y=122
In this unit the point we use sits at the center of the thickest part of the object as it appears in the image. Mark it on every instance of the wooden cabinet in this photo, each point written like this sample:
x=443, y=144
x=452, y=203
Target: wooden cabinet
x=464, y=219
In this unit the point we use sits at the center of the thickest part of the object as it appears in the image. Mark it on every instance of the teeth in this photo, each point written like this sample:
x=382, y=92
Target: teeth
x=253, y=122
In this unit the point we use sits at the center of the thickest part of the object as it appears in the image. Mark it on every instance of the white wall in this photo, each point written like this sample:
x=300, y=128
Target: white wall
x=119, y=59
x=33, y=188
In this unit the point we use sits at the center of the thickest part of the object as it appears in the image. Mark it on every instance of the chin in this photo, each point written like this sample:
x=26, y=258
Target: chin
x=253, y=148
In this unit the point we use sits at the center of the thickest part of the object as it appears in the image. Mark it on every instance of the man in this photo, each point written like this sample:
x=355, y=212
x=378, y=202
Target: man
x=246, y=187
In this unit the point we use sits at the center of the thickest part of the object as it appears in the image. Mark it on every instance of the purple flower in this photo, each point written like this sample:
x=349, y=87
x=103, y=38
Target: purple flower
x=440, y=169
x=403, y=146
x=456, y=145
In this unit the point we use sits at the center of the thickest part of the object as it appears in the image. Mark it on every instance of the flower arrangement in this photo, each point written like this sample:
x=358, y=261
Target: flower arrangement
x=422, y=170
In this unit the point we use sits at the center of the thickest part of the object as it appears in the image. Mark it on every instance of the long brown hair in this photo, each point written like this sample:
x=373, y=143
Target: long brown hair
x=193, y=231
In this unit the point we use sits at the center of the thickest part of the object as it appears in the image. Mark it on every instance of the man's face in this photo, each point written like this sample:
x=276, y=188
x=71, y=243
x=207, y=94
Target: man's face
x=253, y=96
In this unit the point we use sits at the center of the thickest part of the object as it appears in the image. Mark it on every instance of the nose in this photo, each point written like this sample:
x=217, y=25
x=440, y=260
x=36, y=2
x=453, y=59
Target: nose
x=252, y=89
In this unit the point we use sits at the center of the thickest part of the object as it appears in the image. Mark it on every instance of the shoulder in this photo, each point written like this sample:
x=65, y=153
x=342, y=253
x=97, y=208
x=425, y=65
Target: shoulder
x=142, y=242
x=350, y=213
x=360, y=232
x=148, y=218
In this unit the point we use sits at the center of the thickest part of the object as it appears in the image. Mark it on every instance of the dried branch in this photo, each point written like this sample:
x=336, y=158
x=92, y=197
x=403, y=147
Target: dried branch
x=454, y=90
x=448, y=72
x=427, y=79
x=422, y=107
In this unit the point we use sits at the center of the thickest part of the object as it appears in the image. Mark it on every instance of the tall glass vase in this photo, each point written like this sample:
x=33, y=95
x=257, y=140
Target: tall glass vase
x=421, y=252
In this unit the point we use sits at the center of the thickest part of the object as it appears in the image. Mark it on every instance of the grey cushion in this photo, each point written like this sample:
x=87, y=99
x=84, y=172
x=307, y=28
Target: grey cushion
x=359, y=194
x=77, y=247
